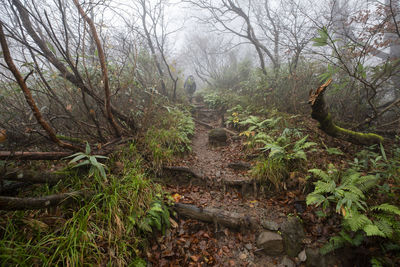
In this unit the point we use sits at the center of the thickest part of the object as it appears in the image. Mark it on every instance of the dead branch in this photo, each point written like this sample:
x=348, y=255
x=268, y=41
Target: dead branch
x=320, y=112
x=29, y=203
x=103, y=66
x=33, y=177
x=28, y=96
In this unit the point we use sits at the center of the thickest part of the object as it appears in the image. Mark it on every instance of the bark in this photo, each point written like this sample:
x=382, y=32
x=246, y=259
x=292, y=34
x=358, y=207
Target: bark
x=320, y=112
x=104, y=71
x=228, y=219
x=28, y=96
x=29, y=203
x=33, y=177
x=12, y=189
x=22, y=155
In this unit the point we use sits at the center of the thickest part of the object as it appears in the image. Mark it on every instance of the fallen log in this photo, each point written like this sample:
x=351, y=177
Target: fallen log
x=320, y=112
x=204, y=124
x=22, y=155
x=32, y=177
x=30, y=203
x=228, y=219
x=184, y=170
x=13, y=188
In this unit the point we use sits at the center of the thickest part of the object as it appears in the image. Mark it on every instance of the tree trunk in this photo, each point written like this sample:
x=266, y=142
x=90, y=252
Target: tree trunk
x=321, y=113
x=107, y=100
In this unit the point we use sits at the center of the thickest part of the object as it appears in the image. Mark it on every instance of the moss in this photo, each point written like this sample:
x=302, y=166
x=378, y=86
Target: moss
x=329, y=127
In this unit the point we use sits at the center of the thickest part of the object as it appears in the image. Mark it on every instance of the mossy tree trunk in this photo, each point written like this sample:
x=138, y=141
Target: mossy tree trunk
x=320, y=112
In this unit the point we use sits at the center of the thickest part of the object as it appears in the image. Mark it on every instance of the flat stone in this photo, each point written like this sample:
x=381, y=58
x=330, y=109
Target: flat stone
x=270, y=225
x=271, y=243
x=287, y=262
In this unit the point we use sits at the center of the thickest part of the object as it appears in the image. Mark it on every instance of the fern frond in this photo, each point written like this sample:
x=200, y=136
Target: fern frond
x=367, y=182
x=385, y=226
x=373, y=230
x=333, y=244
x=356, y=221
x=315, y=199
x=325, y=187
x=387, y=208
x=320, y=173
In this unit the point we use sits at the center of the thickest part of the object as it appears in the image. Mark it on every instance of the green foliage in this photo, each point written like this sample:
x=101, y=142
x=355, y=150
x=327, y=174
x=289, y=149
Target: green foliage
x=110, y=229
x=322, y=40
x=273, y=170
x=257, y=124
x=169, y=135
x=347, y=191
x=86, y=159
x=215, y=100
x=283, y=149
x=284, y=155
x=157, y=217
x=334, y=151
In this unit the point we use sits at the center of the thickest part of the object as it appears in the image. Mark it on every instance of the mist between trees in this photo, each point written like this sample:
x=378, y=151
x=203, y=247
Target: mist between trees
x=91, y=69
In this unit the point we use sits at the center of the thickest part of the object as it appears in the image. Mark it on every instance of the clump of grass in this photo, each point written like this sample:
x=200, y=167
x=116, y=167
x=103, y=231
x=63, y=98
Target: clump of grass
x=169, y=136
x=109, y=229
x=270, y=170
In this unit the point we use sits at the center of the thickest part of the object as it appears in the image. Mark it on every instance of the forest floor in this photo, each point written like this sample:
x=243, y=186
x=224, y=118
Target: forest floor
x=193, y=243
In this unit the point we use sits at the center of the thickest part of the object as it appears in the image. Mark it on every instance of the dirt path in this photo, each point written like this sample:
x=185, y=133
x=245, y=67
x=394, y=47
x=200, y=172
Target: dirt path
x=194, y=243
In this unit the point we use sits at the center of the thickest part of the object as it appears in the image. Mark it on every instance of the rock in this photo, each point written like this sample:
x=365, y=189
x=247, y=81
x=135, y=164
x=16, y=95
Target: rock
x=239, y=165
x=271, y=243
x=217, y=136
x=293, y=234
x=270, y=225
x=315, y=259
x=248, y=246
x=287, y=262
x=302, y=256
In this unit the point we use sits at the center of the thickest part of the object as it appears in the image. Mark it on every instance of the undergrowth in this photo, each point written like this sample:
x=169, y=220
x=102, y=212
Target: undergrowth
x=169, y=136
x=365, y=196
x=109, y=229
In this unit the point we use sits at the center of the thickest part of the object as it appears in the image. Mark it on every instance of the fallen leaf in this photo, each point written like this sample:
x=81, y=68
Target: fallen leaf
x=174, y=224
x=195, y=258
x=176, y=197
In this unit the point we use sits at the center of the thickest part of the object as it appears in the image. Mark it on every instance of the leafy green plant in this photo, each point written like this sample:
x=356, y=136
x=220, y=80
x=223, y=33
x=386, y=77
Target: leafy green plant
x=257, y=124
x=347, y=192
x=282, y=149
x=106, y=229
x=214, y=100
x=156, y=217
x=86, y=159
x=283, y=156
